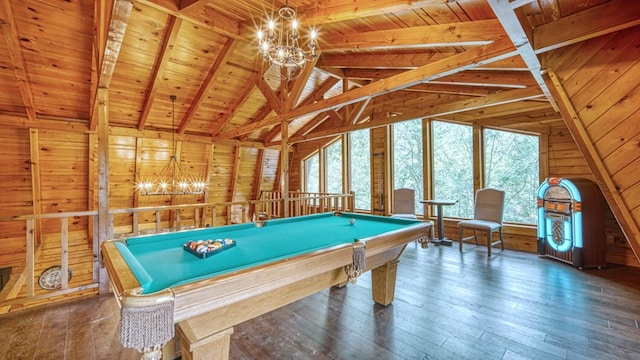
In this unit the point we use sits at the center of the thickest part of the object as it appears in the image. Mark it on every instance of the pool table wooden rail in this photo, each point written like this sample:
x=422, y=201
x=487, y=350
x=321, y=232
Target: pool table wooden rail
x=205, y=311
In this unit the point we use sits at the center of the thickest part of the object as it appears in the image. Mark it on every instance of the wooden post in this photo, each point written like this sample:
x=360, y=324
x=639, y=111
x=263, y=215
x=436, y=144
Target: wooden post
x=284, y=166
x=105, y=228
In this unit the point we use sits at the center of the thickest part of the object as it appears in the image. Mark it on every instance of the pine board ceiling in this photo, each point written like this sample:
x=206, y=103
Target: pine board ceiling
x=380, y=62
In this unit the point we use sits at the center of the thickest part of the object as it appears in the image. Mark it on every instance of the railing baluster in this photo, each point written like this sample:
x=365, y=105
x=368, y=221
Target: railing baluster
x=134, y=220
x=64, y=252
x=96, y=249
x=30, y=256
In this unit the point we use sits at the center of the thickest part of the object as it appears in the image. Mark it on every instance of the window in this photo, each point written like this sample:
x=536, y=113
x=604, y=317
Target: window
x=511, y=163
x=312, y=174
x=407, y=159
x=334, y=167
x=361, y=168
x=453, y=167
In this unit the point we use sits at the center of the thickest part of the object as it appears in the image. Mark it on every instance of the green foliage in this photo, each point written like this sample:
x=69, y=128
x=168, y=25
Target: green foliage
x=361, y=168
x=312, y=174
x=453, y=167
x=334, y=167
x=512, y=165
x=407, y=159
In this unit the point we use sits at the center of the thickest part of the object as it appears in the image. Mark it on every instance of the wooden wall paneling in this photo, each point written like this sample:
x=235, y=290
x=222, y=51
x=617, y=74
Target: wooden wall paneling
x=620, y=125
x=36, y=184
x=235, y=165
x=63, y=166
x=258, y=173
x=379, y=160
x=221, y=180
x=615, y=79
x=16, y=184
x=565, y=159
x=587, y=83
x=248, y=178
x=270, y=170
x=568, y=60
x=123, y=158
x=12, y=39
x=626, y=219
x=618, y=250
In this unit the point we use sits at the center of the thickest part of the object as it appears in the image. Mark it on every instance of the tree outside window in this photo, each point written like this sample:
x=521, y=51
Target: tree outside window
x=334, y=167
x=312, y=174
x=512, y=164
x=361, y=168
x=453, y=167
x=407, y=159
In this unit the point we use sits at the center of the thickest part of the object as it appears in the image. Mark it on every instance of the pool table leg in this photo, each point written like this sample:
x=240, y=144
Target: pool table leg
x=383, y=280
x=212, y=347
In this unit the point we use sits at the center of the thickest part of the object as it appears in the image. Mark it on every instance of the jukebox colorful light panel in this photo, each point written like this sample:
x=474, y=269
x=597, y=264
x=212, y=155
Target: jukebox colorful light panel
x=571, y=215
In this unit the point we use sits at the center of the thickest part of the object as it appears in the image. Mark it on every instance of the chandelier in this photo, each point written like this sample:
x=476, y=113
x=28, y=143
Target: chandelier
x=279, y=43
x=173, y=179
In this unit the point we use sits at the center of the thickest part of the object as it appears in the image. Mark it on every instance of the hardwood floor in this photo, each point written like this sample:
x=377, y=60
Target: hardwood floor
x=448, y=306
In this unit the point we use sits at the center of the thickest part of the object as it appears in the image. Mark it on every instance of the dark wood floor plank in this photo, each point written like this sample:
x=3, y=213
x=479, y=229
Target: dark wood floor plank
x=448, y=305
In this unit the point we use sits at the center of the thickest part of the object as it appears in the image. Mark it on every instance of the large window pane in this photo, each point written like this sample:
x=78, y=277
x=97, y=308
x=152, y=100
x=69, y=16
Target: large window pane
x=361, y=168
x=334, y=167
x=407, y=159
x=453, y=167
x=512, y=164
x=312, y=174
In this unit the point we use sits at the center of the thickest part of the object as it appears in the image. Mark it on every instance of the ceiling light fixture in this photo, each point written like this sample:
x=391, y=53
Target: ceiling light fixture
x=173, y=179
x=279, y=43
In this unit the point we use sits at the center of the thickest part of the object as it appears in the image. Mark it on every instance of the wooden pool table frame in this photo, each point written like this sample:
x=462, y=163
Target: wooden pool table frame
x=206, y=311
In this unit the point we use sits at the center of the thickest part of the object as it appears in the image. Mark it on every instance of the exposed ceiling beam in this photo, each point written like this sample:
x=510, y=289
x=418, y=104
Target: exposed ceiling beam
x=404, y=61
x=172, y=28
x=507, y=79
x=380, y=61
x=471, y=58
x=432, y=111
x=117, y=28
x=471, y=33
x=101, y=20
x=203, y=16
x=511, y=24
x=324, y=12
x=10, y=32
x=611, y=16
x=44, y=122
x=207, y=83
x=299, y=85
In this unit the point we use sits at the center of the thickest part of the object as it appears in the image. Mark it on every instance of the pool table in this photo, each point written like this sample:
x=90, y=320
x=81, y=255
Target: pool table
x=165, y=291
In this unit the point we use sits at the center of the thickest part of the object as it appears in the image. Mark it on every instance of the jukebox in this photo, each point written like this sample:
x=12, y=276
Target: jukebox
x=571, y=227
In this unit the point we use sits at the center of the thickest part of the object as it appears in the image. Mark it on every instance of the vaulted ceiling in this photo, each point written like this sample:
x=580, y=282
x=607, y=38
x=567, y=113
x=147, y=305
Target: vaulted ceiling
x=380, y=62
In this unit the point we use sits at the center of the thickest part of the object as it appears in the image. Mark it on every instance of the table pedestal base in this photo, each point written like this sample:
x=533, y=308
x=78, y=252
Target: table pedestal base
x=445, y=242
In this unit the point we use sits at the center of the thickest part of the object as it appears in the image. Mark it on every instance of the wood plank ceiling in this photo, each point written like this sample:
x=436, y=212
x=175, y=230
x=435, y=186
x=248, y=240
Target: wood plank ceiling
x=378, y=59
x=380, y=62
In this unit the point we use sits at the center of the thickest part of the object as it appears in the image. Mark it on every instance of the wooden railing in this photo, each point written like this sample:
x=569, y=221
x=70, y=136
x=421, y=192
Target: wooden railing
x=166, y=218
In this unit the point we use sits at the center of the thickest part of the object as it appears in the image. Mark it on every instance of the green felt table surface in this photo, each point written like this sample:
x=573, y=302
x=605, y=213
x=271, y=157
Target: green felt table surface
x=159, y=261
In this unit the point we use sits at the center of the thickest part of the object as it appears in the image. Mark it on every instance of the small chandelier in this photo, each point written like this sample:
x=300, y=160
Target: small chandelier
x=279, y=43
x=173, y=179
